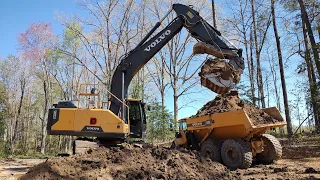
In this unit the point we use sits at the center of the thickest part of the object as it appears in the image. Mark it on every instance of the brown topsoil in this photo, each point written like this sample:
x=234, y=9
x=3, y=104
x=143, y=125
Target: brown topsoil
x=300, y=160
x=232, y=102
x=128, y=162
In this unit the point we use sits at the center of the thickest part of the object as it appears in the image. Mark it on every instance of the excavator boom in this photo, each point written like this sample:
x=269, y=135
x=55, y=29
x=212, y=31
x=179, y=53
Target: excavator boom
x=146, y=49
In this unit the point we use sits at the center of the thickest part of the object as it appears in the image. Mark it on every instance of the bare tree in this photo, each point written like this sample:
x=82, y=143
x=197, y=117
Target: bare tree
x=241, y=21
x=305, y=20
x=110, y=37
x=35, y=44
x=281, y=68
x=259, y=46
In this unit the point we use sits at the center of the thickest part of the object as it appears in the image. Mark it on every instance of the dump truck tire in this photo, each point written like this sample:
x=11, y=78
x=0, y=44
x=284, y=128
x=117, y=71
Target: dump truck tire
x=211, y=150
x=272, y=150
x=236, y=154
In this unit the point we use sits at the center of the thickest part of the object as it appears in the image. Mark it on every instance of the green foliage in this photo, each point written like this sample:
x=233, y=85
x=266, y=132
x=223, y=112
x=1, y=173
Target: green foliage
x=159, y=125
x=4, y=149
x=70, y=35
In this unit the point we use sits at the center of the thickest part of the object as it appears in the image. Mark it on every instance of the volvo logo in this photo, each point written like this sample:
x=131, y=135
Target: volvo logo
x=197, y=124
x=93, y=128
x=158, y=40
x=54, y=114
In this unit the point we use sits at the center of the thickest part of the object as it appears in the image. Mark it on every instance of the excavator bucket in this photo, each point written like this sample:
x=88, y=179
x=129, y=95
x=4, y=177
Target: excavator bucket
x=218, y=75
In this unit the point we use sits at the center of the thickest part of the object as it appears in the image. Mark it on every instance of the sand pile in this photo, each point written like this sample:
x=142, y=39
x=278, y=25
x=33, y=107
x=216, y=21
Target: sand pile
x=129, y=162
x=232, y=102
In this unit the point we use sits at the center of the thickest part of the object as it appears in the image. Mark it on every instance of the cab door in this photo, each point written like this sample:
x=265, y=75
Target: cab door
x=137, y=119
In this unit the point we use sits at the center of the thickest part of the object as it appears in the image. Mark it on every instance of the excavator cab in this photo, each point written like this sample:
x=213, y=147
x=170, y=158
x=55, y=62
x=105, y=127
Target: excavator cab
x=137, y=118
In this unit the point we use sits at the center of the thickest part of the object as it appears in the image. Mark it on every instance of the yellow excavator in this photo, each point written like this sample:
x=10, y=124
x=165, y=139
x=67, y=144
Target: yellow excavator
x=122, y=117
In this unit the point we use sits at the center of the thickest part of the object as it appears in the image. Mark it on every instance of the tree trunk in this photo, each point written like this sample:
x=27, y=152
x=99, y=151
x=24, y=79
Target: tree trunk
x=70, y=143
x=249, y=58
x=305, y=18
x=283, y=80
x=311, y=77
x=259, y=73
x=175, y=106
x=274, y=77
x=59, y=143
x=162, y=89
x=44, y=123
x=252, y=70
x=17, y=116
x=214, y=14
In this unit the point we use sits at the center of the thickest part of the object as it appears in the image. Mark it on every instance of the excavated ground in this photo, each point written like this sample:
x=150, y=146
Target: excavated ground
x=230, y=102
x=301, y=160
x=130, y=163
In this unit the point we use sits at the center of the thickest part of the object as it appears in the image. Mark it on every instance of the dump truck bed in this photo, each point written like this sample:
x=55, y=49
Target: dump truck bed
x=233, y=124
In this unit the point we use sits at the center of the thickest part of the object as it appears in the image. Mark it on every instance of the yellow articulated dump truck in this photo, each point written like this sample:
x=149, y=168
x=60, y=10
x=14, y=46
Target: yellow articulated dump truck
x=231, y=138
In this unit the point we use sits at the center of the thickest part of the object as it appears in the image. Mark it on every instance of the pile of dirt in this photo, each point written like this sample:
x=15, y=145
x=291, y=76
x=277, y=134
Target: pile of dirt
x=129, y=162
x=232, y=102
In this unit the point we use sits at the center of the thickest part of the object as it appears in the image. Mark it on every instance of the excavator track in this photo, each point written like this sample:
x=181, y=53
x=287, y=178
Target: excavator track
x=85, y=145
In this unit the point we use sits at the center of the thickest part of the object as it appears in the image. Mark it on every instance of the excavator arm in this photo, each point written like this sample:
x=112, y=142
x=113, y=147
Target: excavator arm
x=188, y=18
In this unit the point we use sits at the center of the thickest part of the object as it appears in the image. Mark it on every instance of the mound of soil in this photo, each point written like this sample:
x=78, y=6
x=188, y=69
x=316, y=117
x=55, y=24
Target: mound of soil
x=129, y=162
x=232, y=102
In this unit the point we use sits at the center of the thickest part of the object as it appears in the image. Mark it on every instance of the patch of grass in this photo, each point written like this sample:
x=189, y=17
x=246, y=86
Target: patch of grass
x=3, y=155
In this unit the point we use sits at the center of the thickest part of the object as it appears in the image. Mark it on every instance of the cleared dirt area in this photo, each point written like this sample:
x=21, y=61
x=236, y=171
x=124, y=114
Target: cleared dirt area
x=301, y=160
x=12, y=168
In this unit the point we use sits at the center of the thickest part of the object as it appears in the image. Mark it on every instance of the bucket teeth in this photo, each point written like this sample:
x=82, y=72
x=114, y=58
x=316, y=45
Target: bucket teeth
x=213, y=87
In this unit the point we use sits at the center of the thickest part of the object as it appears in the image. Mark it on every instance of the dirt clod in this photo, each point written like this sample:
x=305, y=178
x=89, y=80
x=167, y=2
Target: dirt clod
x=232, y=102
x=310, y=170
x=283, y=169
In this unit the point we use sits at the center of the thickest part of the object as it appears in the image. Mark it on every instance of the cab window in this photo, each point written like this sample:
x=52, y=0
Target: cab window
x=134, y=113
x=182, y=125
